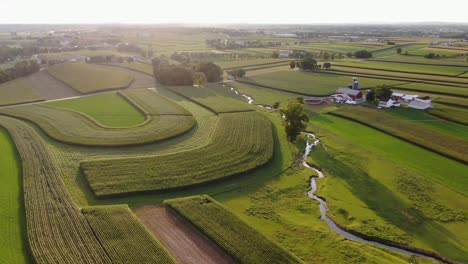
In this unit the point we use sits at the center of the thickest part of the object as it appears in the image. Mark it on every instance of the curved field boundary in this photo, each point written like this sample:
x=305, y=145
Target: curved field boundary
x=243, y=242
x=128, y=68
x=240, y=142
x=57, y=231
x=75, y=128
x=456, y=157
x=124, y=237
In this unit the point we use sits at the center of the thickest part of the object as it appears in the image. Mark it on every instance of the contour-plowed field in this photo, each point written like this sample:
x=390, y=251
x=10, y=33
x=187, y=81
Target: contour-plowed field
x=184, y=241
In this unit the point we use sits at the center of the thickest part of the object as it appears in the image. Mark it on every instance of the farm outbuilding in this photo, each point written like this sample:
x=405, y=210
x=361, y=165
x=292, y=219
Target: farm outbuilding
x=350, y=94
x=420, y=104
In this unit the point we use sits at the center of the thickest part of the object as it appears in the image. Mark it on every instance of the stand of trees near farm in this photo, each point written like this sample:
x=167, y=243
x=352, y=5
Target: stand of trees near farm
x=20, y=69
x=177, y=75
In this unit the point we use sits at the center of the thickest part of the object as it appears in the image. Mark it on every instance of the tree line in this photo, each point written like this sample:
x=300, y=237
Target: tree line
x=20, y=69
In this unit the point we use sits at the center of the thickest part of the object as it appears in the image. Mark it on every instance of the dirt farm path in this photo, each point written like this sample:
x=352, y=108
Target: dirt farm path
x=182, y=240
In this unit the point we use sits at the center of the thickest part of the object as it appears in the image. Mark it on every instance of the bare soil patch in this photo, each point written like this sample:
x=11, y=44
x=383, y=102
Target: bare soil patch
x=184, y=242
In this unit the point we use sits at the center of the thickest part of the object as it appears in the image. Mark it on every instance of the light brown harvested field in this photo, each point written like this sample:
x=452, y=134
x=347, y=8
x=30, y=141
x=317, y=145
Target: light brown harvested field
x=140, y=80
x=50, y=88
x=267, y=70
x=182, y=240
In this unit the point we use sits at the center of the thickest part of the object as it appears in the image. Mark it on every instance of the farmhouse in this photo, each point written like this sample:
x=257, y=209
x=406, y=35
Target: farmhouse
x=349, y=94
x=403, y=98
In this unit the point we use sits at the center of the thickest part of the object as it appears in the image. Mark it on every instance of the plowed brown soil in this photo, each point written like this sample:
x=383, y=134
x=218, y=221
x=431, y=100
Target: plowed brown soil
x=184, y=242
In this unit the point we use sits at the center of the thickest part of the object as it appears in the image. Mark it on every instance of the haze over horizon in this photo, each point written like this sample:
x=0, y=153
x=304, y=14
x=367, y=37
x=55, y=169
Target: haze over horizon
x=242, y=11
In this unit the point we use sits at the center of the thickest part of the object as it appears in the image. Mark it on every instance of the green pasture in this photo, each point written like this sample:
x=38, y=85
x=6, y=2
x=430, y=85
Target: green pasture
x=108, y=109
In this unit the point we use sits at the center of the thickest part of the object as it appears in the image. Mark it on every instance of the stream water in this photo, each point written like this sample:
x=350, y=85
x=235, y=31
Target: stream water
x=324, y=208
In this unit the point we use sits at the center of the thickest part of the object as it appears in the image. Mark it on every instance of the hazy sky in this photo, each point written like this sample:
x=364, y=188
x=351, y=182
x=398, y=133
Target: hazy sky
x=237, y=11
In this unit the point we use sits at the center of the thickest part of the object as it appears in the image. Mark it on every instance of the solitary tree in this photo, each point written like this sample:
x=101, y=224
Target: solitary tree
x=292, y=65
x=398, y=51
x=327, y=65
x=383, y=92
x=294, y=119
x=370, y=96
x=199, y=79
x=308, y=63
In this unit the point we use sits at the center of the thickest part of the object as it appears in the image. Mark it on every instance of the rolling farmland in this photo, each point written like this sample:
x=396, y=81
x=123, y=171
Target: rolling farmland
x=242, y=241
x=73, y=127
x=87, y=78
x=240, y=142
x=18, y=91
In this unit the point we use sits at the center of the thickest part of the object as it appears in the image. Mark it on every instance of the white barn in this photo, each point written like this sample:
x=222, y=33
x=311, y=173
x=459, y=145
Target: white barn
x=420, y=104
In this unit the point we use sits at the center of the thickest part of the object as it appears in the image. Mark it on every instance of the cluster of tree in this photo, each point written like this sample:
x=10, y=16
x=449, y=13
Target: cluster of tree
x=238, y=73
x=13, y=53
x=109, y=58
x=129, y=48
x=198, y=74
x=380, y=92
x=363, y=54
x=309, y=63
x=20, y=69
x=294, y=118
x=433, y=56
x=237, y=44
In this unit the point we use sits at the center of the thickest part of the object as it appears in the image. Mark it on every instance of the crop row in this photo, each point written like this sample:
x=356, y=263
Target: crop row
x=243, y=242
x=56, y=229
x=124, y=237
x=240, y=142
x=68, y=126
x=444, y=144
x=210, y=100
x=451, y=114
x=88, y=78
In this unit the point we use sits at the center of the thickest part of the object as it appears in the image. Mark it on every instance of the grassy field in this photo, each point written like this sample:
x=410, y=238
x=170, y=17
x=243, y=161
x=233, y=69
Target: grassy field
x=452, y=114
x=263, y=96
x=124, y=237
x=378, y=185
x=435, y=50
x=18, y=91
x=240, y=142
x=208, y=99
x=137, y=66
x=243, y=242
x=88, y=78
x=441, y=143
x=433, y=88
x=231, y=64
x=108, y=109
x=459, y=102
x=414, y=68
x=56, y=229
x=311, y=83
x=424, y=118
x=13, y=242
x=75, y=128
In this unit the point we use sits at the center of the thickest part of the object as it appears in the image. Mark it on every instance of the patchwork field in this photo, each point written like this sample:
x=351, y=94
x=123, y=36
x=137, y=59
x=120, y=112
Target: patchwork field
x=88, y=78
x=311, y=83
x=73, y=127
x=240, y=142
x=18, y=91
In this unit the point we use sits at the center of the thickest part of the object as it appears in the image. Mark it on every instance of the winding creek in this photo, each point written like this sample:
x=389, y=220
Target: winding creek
x=323, y=204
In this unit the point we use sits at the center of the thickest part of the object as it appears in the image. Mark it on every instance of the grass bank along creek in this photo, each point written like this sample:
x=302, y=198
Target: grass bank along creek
x=324, y=209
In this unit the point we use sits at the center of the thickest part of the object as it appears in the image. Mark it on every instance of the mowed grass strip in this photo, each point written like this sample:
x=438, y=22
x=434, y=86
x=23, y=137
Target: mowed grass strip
x=311, y=83
x=433, y=88
x=242, y=241
x=108, y=109
x=209, y=100
x=56, y=229
x=441, y=143
x=13, y=241
x=124, y=237
x=455, y=115
x=72, y=127
x=240, y=142
x=18, y=91
x=88, y=78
